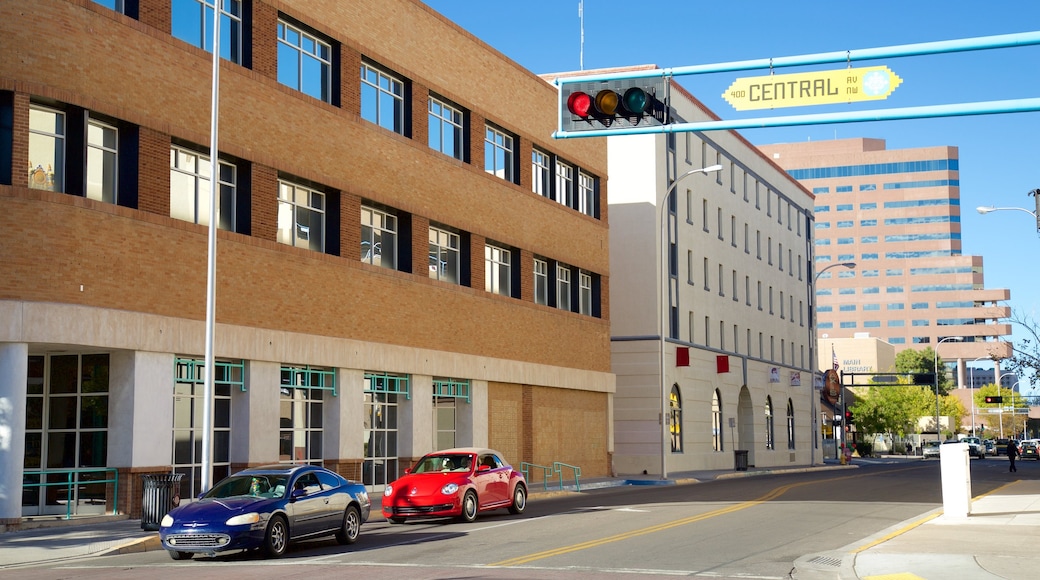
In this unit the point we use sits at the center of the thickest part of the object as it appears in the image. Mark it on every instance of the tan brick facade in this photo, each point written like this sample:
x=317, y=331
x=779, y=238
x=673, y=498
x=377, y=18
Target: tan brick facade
x=133, y=260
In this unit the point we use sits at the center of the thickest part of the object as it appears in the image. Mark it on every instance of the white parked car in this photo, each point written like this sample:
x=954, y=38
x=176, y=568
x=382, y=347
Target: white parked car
x=975, y=447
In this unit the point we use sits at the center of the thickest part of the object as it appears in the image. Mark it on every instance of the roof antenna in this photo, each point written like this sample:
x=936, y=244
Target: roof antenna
x=581, y=50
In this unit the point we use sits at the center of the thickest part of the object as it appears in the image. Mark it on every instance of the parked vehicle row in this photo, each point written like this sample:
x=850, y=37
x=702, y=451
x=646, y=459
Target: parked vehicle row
x=267, y=508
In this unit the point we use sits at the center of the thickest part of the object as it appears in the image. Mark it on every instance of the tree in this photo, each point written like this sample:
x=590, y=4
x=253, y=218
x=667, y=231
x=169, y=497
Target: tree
x=1013, y=421
x=913, y=361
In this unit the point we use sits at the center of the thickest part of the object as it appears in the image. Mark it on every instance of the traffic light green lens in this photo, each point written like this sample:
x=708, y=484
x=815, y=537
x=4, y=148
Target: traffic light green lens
x=636, y=100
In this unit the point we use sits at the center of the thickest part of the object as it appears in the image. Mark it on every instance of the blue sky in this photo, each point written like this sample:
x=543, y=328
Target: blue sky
x=999, y=154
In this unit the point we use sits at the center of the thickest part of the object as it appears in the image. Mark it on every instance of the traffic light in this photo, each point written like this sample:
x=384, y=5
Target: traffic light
x=991, y=400
x=614, y=104
x=1036, y=198
x=848, y=417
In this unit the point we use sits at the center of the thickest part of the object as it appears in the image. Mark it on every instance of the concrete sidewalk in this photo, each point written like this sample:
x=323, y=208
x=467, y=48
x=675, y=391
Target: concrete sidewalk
x=994, y=541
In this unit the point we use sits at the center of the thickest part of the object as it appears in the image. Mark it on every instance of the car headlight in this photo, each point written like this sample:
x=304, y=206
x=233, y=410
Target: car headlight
x=166, y=522
x=450, y=488
x=241, y=520
x=388, y=490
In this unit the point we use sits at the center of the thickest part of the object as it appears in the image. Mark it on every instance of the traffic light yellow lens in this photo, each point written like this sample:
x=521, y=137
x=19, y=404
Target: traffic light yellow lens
x=607, y=102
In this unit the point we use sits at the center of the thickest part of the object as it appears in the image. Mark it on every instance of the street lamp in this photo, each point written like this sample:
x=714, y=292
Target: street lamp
x=985, y=209
x=666, y=309
x=812, y=358
x=935, y=367
x=972, y=374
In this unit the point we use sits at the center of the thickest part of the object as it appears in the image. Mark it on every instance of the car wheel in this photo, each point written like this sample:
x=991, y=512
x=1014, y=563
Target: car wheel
x=395, y=520
x=351, y=528
x=276, y=540
x=519, y=500
x=469, y=507
x=180, y=555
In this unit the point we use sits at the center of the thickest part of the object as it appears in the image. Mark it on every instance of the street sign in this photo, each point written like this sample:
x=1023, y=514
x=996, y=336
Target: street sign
x=847, y=85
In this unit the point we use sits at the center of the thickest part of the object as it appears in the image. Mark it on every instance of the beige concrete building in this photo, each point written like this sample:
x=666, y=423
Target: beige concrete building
x=896, y=215
x=732, y=298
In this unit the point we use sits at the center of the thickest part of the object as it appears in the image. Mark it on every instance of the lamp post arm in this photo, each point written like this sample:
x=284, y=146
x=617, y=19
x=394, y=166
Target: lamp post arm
x=666, y=307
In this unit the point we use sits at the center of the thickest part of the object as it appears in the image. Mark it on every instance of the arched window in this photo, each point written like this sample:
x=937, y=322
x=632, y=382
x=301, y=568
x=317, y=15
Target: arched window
x=675, y=419
x=790, y=424
x=716, y=421
x=769, y=424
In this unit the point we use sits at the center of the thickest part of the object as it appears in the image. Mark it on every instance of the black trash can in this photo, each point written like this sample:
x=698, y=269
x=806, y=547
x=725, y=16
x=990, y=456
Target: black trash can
x=161, y=494
x=740, y=459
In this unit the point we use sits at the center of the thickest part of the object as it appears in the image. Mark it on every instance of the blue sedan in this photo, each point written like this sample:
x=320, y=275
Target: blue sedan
x=267, y=508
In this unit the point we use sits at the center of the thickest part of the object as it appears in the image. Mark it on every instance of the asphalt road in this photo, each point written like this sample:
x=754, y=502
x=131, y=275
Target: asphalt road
x=753, y=527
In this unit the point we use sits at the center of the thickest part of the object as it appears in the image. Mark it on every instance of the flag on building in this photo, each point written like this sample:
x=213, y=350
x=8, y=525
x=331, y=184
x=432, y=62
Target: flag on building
x=834, y=358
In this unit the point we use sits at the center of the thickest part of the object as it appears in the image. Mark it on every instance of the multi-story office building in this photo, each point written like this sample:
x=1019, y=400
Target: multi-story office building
x=394, y=273
x=732, y=369
x=895, y=214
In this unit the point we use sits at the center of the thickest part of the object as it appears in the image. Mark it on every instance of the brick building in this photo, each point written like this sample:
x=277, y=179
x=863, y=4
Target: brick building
x=405, y=259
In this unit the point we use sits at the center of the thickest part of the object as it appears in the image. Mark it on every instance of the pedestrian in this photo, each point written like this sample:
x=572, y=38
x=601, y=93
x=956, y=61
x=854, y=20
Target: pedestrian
x=1012, y=452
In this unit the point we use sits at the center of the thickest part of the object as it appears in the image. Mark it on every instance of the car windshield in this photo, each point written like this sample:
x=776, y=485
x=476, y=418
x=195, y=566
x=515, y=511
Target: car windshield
x=443, y=463
x=255, y=485
x=931, y=443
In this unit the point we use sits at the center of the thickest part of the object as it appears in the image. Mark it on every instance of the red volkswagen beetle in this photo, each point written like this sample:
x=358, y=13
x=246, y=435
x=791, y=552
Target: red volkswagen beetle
x=455, y=483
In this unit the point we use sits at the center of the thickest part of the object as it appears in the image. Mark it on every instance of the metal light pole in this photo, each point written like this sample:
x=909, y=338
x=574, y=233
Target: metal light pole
x=972, y=378
x=206, y=479
x=666, y=308
x=935, y=367
x=813, y=362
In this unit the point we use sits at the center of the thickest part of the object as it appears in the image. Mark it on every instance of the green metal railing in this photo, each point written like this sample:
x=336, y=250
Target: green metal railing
x=71, y=483
x=547, y=472
x=558, y=467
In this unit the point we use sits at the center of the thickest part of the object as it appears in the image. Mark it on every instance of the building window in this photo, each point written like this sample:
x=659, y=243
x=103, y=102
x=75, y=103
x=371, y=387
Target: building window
x=304, y=62
x=790, y=424
x=499, y=154
x=770, y=444
x=586, y=194
x=116, y=5
x=382, y=99
x=541, y=182
x=192, y=22
x=46, y=149
x=497, y=270
x=565, y=184
x=190, y=188
x=382, y=396
x=187, y=420
x=675, y=419
x=716, y=421
x=444, y=255
x=300, y=413
x=584, y=293
x=563, y=287
x=445, y=128
x=102, y=161
x=378, y=238
x=447, y=393
x=301, y=216
x=541, y=282
x=66, y=428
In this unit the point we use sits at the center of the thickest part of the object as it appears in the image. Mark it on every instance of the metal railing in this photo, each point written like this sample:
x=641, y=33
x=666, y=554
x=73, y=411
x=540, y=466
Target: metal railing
x=558, y=467
x=72, y=484
x=547, y=472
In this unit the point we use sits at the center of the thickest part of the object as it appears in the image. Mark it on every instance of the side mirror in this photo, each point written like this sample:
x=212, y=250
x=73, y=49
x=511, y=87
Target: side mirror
x=407, y=470
x=484, y=468
x=297, y=493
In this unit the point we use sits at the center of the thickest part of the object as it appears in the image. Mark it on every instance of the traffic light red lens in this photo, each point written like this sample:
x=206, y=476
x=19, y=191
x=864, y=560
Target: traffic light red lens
x=579, y=103
x=607, y=102
x=636, y=101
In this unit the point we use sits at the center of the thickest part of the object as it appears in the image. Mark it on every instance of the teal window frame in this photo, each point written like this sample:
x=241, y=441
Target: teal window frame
x=325, y=379
x=455, y=388
x=389, y=384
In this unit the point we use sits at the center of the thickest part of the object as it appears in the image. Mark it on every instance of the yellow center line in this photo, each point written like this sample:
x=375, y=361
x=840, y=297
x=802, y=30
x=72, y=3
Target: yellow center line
x=775, y=493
